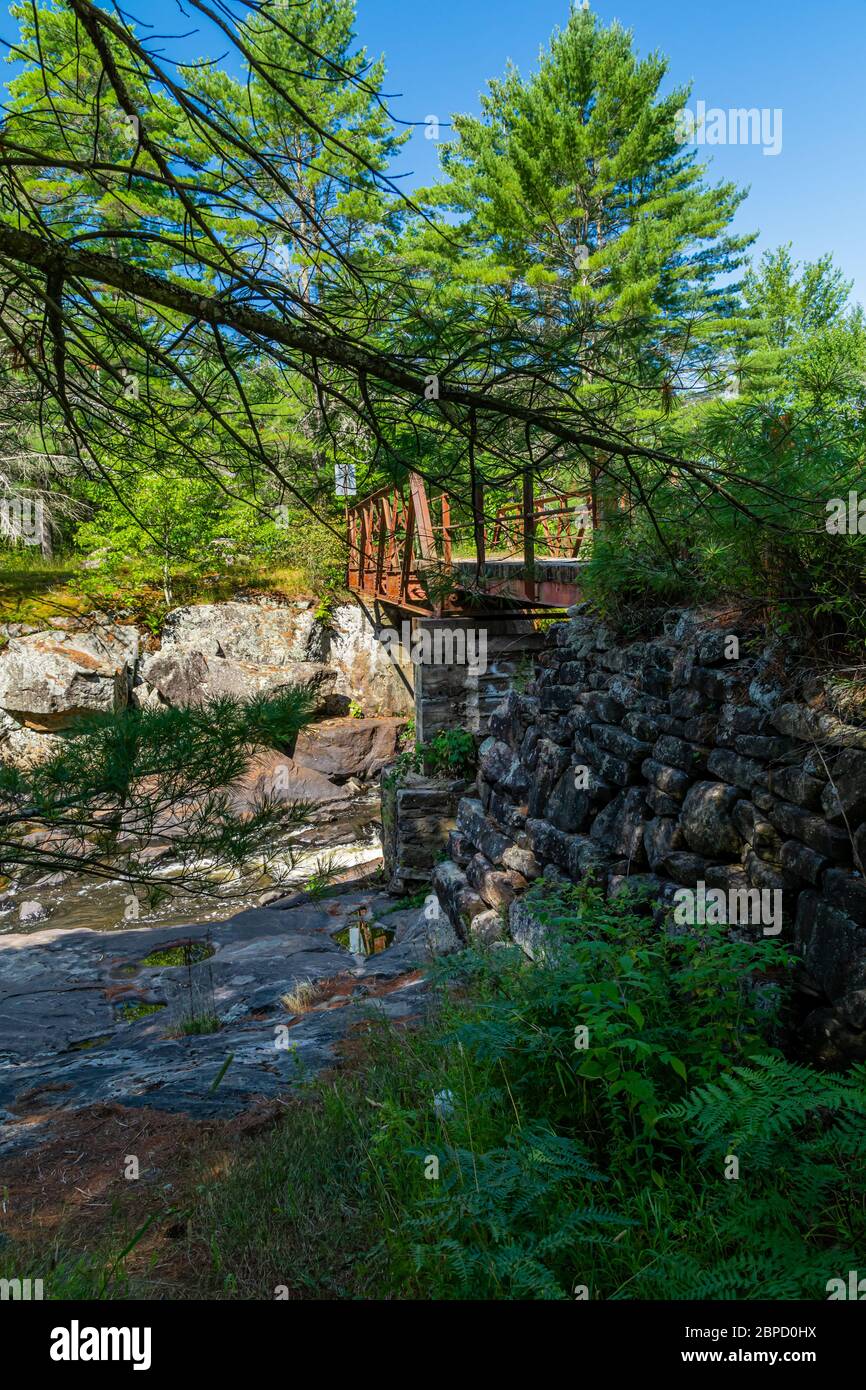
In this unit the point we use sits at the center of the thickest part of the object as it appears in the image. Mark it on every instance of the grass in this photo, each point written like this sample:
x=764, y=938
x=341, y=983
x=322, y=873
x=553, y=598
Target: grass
x=555, y=1168
x=302, y=998
x=187, y=953
x=34, y=590
x=326, y=872
x=130, y=1013
x=409, y=900
x=557, y=1165
x=198, y=1025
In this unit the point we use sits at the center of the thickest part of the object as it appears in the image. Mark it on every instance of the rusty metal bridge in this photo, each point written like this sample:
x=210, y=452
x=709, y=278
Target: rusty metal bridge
x=411, y=552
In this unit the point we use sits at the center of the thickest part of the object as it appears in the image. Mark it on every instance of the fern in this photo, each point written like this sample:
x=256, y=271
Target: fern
x=506, y=1223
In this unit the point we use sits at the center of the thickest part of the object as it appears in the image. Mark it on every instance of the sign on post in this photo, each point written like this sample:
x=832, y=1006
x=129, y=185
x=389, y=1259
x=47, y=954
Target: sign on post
x=344, y=479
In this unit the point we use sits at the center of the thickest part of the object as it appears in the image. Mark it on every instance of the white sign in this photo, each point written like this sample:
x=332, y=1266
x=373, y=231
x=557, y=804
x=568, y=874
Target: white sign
x=344, y=479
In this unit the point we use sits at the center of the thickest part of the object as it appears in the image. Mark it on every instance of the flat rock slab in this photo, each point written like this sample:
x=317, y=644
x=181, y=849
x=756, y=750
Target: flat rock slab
x=64, y=1042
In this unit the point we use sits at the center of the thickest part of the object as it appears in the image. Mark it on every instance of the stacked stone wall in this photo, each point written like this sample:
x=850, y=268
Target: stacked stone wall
x=692, y=760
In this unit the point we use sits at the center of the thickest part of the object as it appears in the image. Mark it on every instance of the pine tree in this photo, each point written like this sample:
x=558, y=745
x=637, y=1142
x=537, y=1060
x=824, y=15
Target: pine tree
x=802, y=335
x=577, y=198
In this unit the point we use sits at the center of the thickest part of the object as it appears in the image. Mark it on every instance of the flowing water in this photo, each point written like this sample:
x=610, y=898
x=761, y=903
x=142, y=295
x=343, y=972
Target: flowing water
x=314, y=853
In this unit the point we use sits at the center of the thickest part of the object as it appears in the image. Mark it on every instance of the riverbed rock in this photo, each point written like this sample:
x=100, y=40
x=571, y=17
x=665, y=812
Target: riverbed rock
x=49, y=679
x=31, y=912
x=343, y=748
x=272, y=774
x=23, y=747
x=267, y=634
x=68, y=1039
x=458, y=900
x=706, y=820
x=366, y=672
x=526, y=928
x=262, y=633
x=186, y=677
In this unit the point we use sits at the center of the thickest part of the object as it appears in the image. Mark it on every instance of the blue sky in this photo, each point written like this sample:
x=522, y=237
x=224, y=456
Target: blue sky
x=807, y=59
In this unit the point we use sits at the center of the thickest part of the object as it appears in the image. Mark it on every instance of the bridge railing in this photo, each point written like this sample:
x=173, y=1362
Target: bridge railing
x=400, y=541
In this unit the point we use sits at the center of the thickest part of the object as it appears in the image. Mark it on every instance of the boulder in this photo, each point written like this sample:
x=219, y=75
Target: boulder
x=679, y=753
x=23, y=747
x=49, y=679
x=569, y=805
x=440, y=936
x=501, y=766
x=661, y=836
x=552, y=760
x=620, y=826
x=848, y=893
x=795, y=785
x=815, y=726
x=365, y=670
x=31, y=912
x=498, y=887
x=487, y=927
x=738, y=771
x=682, y=867
x=833, y=946
x=240, y=648
x=185, y=677
x=273, y=774
x=265, y=634
x=844, y=798
x=832, y=841
x=525, y=928
x=802, y=862
x=343, y=748
x=459, y=903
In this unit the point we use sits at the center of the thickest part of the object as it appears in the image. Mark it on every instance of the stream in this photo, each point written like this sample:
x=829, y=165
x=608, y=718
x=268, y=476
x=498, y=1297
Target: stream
x=316, y=851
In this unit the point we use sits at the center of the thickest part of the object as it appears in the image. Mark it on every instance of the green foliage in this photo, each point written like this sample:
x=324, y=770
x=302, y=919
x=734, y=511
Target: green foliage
x=594, y=277
x=660, y=1010
x=488, y=1154
x=132, y=1012
x=187, y=953
x=120, y=782
x=99, y=1274
x=800, y=317
x=562, y=1166
x=579, y=205
x=764, y=535
x=326, y=872
x=198, y=1025
x=452, y=753
x=503, y=1221
x=796, y=1215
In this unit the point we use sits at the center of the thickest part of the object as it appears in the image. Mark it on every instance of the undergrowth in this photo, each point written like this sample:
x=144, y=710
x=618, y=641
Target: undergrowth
x=501, y=1152
x=615, y=1120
